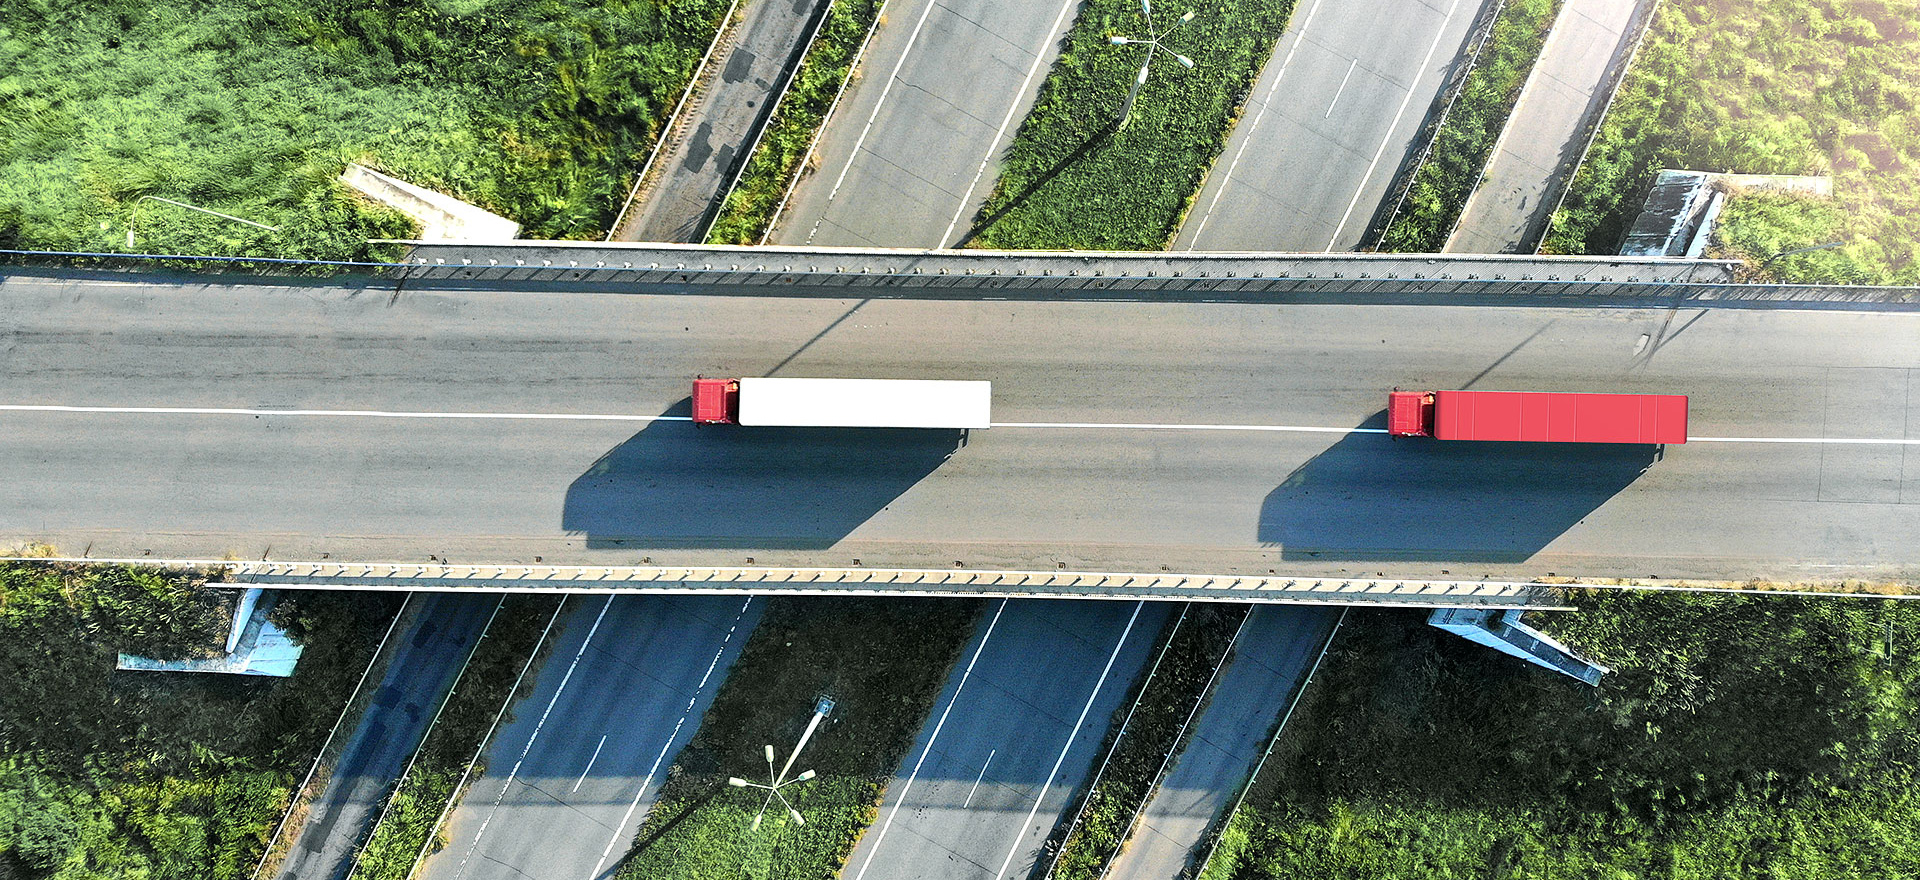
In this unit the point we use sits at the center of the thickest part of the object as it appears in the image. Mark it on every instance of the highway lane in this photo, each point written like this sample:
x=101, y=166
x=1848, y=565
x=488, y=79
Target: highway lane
x=1271, y=659
x=424, y=665
x=1331, y=117
x=618, y=492
x=1012, y=736
x=905, y=161
x=570, y=777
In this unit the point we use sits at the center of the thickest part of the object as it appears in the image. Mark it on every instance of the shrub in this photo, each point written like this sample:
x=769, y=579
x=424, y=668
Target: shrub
x=44, y=836
x=1738, y=736
x=535, y=110
x=154, y=775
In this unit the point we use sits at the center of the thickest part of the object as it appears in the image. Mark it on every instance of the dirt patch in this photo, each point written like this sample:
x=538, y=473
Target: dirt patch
x=1880, y=154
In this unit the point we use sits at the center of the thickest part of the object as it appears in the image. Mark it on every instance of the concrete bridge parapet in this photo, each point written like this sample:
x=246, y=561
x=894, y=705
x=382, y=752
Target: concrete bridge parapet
x=864, y=581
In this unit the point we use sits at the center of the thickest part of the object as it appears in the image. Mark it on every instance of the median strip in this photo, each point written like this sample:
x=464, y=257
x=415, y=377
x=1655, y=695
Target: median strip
x=1737, y=736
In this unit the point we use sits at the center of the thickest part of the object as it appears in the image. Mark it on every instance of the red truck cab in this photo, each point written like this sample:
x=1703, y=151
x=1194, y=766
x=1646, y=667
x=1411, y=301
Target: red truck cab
x=1410, y=413
x=716, y=401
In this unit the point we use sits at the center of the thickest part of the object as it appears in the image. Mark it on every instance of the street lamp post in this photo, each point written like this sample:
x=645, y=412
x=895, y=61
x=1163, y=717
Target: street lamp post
x=779, y=780
x=1818, y=247
x=136, y=204
x=1153, y=44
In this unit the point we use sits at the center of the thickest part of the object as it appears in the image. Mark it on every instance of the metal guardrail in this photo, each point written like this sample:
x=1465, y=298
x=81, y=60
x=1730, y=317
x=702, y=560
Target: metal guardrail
x=882, y=272
x=198, y=262
x=1170, y=276
x=1177, y=270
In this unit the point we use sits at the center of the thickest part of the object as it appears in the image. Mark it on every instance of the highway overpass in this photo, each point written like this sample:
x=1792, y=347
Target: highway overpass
x=201, y=418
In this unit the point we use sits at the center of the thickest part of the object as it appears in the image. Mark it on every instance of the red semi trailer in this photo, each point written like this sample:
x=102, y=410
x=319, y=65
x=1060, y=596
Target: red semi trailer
x=1538, y=416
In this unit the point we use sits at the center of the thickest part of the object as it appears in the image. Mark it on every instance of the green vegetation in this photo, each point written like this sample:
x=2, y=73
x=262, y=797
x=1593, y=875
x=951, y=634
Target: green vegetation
x=1192, y=648
x=1465, y=140
x=537, y=110
x=1769, y=87
x=749, y=208
x=882, y=660
x=483, y=689
x=145, y=774
x=1739, y=736
x=1756, y=225
x=1071, y=180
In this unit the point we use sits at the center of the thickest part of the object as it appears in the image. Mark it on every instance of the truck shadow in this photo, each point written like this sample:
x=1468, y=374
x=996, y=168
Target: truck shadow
x=677, y=485
x=1371, y=497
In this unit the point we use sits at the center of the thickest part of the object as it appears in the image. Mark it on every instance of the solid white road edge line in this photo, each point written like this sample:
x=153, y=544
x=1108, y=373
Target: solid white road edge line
x=508, y=785
x=619, y=830
x=614, y=417
x=1438, y=35
x=350, y=413
x=1227, y=178
x=1888, y=441
x=993, y=147
x=1068, y=745
x=1169, y=426
x=931, y=739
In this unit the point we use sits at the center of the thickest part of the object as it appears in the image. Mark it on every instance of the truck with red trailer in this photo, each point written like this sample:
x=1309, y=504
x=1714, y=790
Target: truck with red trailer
x=843, y=403
x=1538, y=416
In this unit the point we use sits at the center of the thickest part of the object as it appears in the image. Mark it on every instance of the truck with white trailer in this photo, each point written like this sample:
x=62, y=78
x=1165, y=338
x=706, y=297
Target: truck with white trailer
x=843, y=403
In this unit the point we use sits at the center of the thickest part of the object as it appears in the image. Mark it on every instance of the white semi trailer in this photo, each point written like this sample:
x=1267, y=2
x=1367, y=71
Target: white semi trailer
x=843, y=403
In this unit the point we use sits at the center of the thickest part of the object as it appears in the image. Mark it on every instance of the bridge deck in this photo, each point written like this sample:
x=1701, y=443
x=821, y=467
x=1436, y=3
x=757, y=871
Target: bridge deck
x=205, y=419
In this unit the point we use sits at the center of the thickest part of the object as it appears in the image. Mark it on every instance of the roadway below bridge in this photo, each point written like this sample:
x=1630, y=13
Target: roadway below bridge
x=1333, y=115
x=567, y=781
x=310, y=421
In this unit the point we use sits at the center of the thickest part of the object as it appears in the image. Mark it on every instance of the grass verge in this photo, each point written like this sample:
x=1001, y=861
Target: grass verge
x=157, y=775
x=1465, y=140
x=484, y=688
x=882, y=660
x=539, y=111
x=750, y=206
x=1071, y=179
x=1739, y=736
x=1153, y=726
x=1769, y=87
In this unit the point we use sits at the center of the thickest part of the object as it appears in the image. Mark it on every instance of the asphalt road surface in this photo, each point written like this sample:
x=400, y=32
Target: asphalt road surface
x=1055, y=484
x=570, y=777
x=1012, y=736
x=905, y=161
x=1330, y=119
x=1275, y=651
x=425, y=663
x=1545, y=134
x=696, y=167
